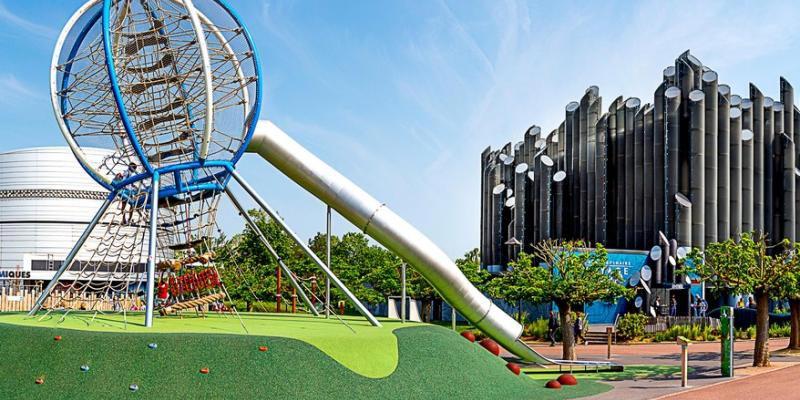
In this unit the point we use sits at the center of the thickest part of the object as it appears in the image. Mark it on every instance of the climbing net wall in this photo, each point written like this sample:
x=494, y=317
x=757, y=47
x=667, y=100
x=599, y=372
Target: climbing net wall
x=170, y=88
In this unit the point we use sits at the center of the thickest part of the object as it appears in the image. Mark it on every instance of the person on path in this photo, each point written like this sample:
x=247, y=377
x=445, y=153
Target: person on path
x=673, y=306
x=552, y=326
x=579, y=329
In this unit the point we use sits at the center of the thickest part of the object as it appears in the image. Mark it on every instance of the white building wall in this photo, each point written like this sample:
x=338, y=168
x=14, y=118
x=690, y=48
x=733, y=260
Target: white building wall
x=46, y=201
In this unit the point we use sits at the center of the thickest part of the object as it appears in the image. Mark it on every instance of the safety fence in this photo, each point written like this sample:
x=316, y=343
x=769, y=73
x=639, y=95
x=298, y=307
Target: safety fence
x=23, y=298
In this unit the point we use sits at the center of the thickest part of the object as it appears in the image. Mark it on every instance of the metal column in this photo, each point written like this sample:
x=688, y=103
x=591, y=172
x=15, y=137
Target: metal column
x=736, y=173
x=697, y=166
x=360, y=307
x=710, y=88
x=723, y=163
x=151, y=250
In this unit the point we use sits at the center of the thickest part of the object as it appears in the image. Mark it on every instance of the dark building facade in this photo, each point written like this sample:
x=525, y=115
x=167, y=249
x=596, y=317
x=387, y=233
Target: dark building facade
x=697, y=165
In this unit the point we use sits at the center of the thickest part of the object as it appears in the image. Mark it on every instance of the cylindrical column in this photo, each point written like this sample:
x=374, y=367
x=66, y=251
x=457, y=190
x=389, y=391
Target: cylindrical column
x=498, y=193
x=658, y=161
x=649, y=236
x=151, y=250
x=672, y=123
x=769, y=169
x=571, y=129
x=328, y=225
x=621, y=177
x=723, y=163
x=710, y=89
x=758, y=158
x=747, y=165
x=611, y=174
x=600, y=190
x=697, y=165
x=787, y=98
x=788, y=188
x=558, y=203
x=736, y=172
x=591, y=167
x=796, y=114
x=631, y=109
x=638, y=180
x=520, y=183
x=778, y=187
x=684, y=205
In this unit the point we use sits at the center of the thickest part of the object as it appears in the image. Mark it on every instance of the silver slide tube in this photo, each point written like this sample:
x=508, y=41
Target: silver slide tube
x=386, y=227
x=334, y=279
x=271, y=250
x=72, y=254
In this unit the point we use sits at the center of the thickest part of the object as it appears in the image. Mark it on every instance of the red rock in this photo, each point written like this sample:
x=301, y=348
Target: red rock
x=513, y=368
x=468, y=335
x=552, y=384
x=262, y=348
x=491, y=345
x=39, y=381
x=567, y=379
x=203, y=370
x=57, y=338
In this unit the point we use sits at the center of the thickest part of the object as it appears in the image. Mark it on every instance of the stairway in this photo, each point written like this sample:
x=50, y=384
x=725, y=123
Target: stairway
x=597, y=334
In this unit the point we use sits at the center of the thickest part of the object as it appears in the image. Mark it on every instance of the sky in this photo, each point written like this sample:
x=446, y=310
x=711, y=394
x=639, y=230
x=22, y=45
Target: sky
x=402, y=96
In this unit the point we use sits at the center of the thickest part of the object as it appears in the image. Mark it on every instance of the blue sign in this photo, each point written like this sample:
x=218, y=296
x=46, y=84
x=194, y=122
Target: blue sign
x=627, y=263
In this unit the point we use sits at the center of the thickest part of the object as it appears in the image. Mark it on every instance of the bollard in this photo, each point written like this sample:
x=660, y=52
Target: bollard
x=684, y=343
x=726, y=329
x=609, y=331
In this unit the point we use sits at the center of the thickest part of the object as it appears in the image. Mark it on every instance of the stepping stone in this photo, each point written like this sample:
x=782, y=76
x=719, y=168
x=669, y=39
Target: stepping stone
x=153, y=346
x=204, y=371
x=262, y=348
x=84, y=368
x=133, y=387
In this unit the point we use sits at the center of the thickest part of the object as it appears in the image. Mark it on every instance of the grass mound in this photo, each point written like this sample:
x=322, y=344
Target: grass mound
x=433, y=363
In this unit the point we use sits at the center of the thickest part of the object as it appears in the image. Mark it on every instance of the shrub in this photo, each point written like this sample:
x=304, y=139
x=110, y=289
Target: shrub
x=631, y=326
x=691, y=332
x=779, y=330
x=537, y=329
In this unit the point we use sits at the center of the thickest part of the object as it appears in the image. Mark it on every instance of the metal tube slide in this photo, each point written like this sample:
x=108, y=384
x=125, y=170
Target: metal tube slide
x=386, y=227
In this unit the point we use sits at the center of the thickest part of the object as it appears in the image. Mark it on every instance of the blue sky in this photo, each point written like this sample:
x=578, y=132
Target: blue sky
x=402, y=97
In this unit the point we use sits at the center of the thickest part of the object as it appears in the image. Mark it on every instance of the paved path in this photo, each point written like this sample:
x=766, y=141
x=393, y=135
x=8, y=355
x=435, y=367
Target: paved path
x=704, y=359
x=775, y=385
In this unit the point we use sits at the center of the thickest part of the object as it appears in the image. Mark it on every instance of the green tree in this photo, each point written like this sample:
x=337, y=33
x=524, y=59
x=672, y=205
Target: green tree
x=568, y=274
x=247, y=268
x=748, y=266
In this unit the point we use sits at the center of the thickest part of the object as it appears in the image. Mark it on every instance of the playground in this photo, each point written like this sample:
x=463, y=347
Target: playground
x=159, y=100
x=306, y=356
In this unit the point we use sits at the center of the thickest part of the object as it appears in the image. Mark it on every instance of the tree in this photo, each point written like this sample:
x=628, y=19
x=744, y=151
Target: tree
x=247, y=268
x=748, y=266
x=568, y=274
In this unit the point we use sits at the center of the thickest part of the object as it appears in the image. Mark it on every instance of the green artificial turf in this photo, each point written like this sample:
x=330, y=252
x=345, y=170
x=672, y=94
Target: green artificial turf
x=365, y=349
x=630, y=372
x=434, y=363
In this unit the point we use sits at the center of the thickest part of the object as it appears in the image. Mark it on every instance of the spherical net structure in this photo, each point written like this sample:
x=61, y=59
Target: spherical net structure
x=173, y=89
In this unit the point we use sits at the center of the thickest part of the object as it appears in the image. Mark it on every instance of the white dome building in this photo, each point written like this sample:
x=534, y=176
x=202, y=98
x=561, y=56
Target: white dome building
x=46, y=202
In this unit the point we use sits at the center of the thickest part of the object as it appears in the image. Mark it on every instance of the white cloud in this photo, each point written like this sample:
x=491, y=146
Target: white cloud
x=12, y=90
x=28, y=26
